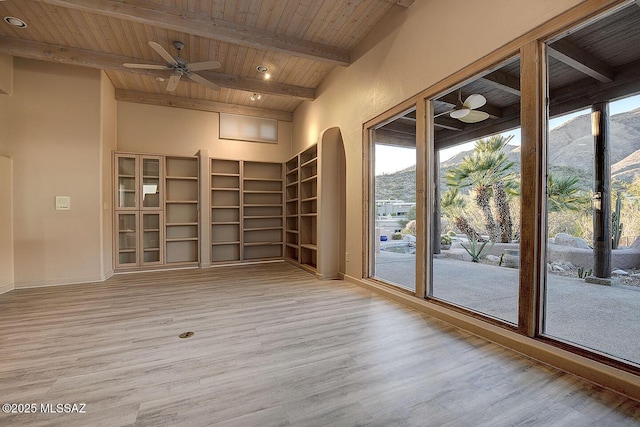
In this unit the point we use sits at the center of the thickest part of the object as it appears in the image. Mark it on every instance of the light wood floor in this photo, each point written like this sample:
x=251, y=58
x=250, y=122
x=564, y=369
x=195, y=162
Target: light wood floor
x=272, y=346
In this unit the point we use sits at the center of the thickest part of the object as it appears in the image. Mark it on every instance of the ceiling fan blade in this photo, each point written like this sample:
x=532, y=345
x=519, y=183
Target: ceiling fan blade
x=146, y=66
x=203, y=81
x=208, y=65
x=173, y=82
x=460, y=113
x=474, y=101
x=162, y=52
x=474, y=116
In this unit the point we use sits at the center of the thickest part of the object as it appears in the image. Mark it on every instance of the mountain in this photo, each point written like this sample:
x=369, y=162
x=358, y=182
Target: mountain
x=399, y=185
x=571, y=144
x=570, y=153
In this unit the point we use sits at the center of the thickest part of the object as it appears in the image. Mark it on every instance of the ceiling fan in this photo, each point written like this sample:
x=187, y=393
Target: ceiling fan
x=467, y=111
x=179, y=67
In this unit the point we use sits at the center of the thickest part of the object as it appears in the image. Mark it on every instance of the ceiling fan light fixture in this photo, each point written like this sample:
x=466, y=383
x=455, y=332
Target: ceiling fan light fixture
x=16, y=22
x=462, y=112
x=255, y=96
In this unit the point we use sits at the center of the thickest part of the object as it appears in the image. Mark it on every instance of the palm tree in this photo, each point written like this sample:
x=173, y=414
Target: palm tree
x=452, y=205
x=488, y=171
x=563, y=193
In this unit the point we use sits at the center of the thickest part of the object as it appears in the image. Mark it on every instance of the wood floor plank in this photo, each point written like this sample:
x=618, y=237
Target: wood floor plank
x=272, y=347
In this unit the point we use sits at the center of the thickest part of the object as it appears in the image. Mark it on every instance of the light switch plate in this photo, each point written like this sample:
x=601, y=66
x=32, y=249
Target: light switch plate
x=63, y=203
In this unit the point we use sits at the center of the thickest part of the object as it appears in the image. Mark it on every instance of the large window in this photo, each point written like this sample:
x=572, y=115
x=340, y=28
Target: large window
x=475, y=230
x=592, y=293
x=530, y=214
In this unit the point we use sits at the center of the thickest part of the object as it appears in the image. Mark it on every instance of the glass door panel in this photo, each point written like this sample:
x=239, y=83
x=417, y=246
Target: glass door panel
x=127, y=183
x=151, y=238
x=127, y=254
x=150, y=183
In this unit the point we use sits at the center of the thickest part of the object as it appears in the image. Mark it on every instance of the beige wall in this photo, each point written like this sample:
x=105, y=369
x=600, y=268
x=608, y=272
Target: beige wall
x=53, y=119
x=414, y=49
x=6, y=74
x=173, y=131
x=6, y=226
x=6, y=87
x=108, y=145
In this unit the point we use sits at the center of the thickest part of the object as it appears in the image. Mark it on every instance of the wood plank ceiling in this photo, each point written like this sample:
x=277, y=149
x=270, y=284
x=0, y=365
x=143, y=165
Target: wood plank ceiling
x=300, y=41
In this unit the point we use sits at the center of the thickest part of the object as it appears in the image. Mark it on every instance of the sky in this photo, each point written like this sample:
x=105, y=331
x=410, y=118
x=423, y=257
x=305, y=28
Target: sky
x=398, y=158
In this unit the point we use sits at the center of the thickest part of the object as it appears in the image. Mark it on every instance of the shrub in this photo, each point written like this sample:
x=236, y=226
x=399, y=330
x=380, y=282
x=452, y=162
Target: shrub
x=476, y=249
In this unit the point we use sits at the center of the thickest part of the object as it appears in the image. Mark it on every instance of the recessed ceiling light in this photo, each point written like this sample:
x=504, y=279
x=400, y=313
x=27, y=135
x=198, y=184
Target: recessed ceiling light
x=262, y=68
x=159, y=79
x=16, y=22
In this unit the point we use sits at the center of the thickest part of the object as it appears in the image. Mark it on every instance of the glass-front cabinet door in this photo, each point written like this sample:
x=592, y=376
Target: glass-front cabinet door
x=127, y=239
x=138, y=182
x=139, y=239
x=151, y=183
x=151, y=238
x=126, y=182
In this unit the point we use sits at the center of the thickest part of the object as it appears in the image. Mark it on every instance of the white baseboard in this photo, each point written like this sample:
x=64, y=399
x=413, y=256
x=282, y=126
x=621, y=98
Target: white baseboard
x=599, y=373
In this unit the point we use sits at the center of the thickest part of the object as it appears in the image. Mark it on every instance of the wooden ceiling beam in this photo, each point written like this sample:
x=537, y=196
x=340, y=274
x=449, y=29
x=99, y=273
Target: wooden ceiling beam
x=196, y=24
x=106, y=61
x=576, y=58
x=400, y=127
x=586, y=92
x=504, y=82
x=452, y=99
x=386, y=137
x=199, y=105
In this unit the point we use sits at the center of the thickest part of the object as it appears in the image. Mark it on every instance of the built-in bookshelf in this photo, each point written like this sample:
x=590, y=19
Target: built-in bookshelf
x=262, y=211
x=292, y=199
x=226, y=212
x=246, y=211
x=308, y=207
x=181, y=210
x=313, y=220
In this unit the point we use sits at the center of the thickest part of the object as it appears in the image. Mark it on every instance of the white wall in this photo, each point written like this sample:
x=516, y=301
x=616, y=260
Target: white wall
x=411, y=50
x=174, y=131
x=54, y=139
